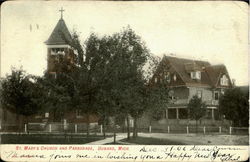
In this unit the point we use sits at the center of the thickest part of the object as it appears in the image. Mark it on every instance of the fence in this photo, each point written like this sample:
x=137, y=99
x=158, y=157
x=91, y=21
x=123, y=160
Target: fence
x=58, y=127
x=239, y=130
x=94, y=129
x=193, y=129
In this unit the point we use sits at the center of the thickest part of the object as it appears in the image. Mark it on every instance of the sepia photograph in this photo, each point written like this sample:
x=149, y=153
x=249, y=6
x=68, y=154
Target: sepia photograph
x=126, y=73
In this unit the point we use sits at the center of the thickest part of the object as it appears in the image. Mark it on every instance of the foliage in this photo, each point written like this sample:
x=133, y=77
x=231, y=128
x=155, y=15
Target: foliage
x=108, y=78
x=157, y=93
x=58, y=96
x=197, y=108
x=234, y=105
x=21, y=94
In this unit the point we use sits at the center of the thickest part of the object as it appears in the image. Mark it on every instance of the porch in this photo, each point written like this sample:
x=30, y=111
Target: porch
x=182, y=112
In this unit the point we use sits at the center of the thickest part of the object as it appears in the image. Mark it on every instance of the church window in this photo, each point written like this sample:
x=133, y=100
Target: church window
x=97, y=46
x=156, y=80
x=78, y=113
x=57, y=51
x=46, y=115
x=224, y=80
x=130, y=48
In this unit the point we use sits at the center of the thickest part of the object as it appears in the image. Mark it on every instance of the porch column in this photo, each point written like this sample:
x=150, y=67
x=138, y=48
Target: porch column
x=177, y=113
x=167, y=113
x=212, y=114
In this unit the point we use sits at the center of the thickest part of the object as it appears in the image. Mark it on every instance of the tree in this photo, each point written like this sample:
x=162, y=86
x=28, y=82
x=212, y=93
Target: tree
x=59, y=92
x=234, y=105
x=21, y=94
x=131, y=55
x=156, y=97
x=197, y=109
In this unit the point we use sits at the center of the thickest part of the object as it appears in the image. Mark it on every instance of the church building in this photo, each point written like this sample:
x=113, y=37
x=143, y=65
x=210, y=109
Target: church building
x=59, y=48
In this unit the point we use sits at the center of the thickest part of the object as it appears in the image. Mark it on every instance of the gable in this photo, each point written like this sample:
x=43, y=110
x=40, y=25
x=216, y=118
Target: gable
x=166, y=71
x=215, y=74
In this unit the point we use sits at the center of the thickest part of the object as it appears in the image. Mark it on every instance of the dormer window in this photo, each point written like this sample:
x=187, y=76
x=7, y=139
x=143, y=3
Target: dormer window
x=196, y=75
x=224, y=80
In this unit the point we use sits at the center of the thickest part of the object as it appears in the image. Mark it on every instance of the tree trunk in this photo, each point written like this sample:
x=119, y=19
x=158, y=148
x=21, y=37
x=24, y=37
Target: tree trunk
x=104, y=126
x=114, y=129
x=196, y=126
x=54, y=115
x=128, y=128
x=87, y=125
x=26, y=122
x=19, y=121
x=135, y=128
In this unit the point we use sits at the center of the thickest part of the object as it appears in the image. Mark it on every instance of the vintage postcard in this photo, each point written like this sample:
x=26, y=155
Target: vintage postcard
x=124, y=81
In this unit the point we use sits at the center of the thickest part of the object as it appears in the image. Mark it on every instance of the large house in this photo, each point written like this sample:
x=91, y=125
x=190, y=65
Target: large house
x=186, y=78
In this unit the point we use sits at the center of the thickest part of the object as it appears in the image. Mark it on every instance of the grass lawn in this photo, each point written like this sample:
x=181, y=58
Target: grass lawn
x=152, y=141
x=47, y=139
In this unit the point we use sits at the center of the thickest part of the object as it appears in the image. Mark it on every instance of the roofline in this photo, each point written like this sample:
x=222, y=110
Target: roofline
x=178, y=86
x=176, y=57
x=201, y=86
x=58, y=46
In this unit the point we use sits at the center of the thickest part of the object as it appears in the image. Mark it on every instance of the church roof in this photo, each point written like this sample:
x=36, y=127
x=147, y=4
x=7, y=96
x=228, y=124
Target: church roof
x=60, y=35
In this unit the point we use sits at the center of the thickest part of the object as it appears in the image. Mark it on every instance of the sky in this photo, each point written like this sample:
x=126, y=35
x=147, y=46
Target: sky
x=211, y=31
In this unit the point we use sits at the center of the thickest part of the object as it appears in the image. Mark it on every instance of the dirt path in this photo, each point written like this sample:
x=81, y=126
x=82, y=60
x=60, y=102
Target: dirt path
x=119, y=136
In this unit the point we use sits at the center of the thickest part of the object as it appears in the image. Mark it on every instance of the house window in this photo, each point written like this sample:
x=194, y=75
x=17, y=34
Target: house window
x=224, y=80
x=167, y=77
x=78, y=113
x=199, y=94
x=172, y=97
x=222, y=91
x=175, y=77
x=216, y=95
x=196, y=75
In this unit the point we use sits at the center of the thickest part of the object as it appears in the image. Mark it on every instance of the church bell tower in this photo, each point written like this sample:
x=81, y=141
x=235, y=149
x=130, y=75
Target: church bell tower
x=59, y=51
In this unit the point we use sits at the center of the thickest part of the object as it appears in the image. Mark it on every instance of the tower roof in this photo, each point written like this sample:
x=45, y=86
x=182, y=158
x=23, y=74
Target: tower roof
x=60, y=35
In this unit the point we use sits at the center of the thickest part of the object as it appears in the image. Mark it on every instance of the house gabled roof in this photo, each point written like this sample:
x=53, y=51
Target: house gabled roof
x=215, y=72
x=210, y=74
x=182, y=67
x=60, y=35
